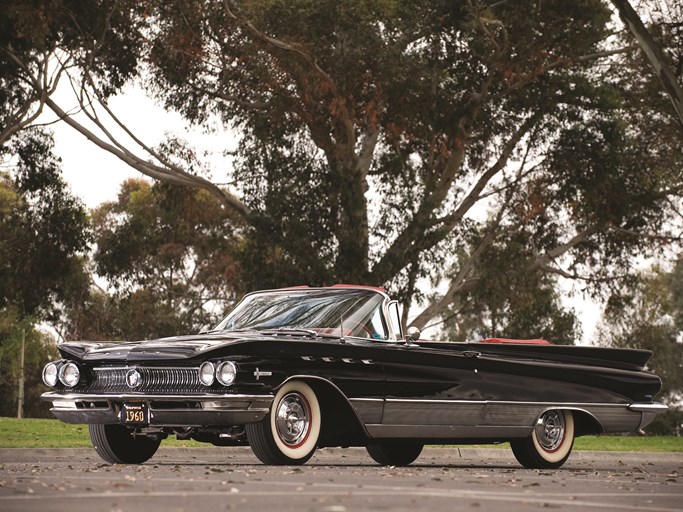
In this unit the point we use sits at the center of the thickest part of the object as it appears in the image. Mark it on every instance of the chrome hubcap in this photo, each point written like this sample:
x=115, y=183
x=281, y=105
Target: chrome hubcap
x=550, y=430
x=293, y=419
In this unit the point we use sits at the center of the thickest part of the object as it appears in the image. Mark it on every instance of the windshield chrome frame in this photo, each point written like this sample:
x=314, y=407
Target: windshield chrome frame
x=392, y=336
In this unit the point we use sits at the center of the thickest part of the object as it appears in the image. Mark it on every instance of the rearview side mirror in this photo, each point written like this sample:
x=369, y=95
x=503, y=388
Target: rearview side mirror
x=413, y=334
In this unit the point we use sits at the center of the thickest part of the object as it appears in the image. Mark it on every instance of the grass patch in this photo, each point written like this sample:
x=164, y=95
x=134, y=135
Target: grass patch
x=48, y=433
x=52, y=433
x=614, y=443
x=630, y=443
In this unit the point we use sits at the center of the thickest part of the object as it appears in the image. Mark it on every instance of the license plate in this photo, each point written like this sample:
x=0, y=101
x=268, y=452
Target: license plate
x=134, y=414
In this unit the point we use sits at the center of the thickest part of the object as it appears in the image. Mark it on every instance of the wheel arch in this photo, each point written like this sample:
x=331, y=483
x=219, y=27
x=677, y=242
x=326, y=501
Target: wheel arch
x=341, y=425
x=585, y=423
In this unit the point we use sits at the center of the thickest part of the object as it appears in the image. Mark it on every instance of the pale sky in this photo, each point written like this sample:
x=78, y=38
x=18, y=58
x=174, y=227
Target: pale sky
x=95, y=175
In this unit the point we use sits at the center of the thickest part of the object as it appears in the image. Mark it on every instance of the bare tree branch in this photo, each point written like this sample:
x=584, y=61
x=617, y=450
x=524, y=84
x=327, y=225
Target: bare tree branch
x=457, y=285
x=438, y=190
x=256, y=105
x=34, y=105
x=413, y=237
x=44, y=85
x=547, y=258
x=606, y=53
x=475, y=193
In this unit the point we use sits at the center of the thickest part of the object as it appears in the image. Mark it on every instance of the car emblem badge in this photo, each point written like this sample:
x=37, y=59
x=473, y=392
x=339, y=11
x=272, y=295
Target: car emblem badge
x=133, y=378
x=258, y=374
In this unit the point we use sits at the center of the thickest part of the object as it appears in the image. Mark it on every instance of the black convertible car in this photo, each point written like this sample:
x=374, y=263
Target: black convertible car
x=291, y=370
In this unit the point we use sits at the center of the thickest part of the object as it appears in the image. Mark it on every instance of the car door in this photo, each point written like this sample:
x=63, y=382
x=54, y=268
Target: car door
x=431, y=392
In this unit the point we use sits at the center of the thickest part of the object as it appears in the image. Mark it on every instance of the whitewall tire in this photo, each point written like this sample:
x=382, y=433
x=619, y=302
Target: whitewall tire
x=290, y=432
x=550, y=443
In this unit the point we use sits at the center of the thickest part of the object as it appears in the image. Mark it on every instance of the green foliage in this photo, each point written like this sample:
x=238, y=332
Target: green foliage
x=668, y=423
x=647, y=315
x=507, y=303
x=39, y=349
x=43, y=234
x=291, y=239
x=675, y=285
x=103, y=33
x=169, y=253
x=43, y=40
x=43, y=228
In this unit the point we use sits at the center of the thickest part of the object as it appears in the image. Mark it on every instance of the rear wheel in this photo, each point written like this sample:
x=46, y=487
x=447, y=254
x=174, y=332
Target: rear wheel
x=116, y=444
x=289, y=433
x=550, y=443
x=395, y=453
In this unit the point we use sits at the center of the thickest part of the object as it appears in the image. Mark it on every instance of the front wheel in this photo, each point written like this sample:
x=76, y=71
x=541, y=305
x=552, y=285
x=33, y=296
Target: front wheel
x=395, y=453
x=116, y=444
x=550, y=443
x=289, y=433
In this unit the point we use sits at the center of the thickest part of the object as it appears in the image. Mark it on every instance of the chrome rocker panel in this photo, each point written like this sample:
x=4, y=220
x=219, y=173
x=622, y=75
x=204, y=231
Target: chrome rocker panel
x=464, y=419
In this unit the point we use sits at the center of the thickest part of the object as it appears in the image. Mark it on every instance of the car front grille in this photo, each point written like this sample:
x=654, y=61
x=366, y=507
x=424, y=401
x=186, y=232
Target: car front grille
x=158, y=380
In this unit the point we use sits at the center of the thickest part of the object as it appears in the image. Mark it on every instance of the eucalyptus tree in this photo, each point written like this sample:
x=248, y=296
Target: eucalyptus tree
x=648, y=313
x=396, y=143
x=94, y=48
x=43, y=230
x=384, y=142
x=168, y=254
x=44, y=236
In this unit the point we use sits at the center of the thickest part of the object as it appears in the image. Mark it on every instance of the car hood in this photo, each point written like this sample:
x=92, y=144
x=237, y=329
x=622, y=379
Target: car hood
x=175, y=348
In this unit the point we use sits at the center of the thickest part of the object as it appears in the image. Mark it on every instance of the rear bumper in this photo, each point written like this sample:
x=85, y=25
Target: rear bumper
x=648, y=412
x=164, y=410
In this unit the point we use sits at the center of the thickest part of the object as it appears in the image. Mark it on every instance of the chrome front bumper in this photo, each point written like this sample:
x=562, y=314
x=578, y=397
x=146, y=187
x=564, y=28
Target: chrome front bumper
x=164, y=410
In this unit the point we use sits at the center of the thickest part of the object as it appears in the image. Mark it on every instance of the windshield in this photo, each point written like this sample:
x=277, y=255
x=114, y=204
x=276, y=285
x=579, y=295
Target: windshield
x=327, y=312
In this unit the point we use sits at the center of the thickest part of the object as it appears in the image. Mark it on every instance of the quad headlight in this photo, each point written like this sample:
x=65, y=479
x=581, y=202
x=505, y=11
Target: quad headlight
x=66, y=372
x=50, y=374
x=69, y=374
x=225, y=373
x=207, y=373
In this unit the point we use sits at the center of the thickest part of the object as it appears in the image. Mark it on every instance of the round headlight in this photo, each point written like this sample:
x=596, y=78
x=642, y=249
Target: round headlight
x=50, y=374
x=226, y=373
x=207, y=373
x=69, y=374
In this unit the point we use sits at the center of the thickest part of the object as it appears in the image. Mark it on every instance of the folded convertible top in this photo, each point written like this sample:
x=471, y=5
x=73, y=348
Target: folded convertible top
x=515, y=342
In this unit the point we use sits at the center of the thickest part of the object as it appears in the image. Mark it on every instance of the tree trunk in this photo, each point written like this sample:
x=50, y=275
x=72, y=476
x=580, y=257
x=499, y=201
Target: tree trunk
x=653, y=53
x=20, y=399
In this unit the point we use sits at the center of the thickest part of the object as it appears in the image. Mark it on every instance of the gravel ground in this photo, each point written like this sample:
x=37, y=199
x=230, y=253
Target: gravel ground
x=337, y=480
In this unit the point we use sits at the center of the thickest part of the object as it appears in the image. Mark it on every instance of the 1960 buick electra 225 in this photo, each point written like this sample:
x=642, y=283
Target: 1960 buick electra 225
x=292, y=370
